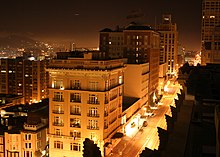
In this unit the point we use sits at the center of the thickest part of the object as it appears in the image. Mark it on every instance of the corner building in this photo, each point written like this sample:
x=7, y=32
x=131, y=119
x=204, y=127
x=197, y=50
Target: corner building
x=85, y=99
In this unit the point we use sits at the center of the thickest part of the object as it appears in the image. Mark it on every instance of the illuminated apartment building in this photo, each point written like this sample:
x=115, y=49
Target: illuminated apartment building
x=168, y=43
x=27, y=78
x=85, y=102
x=112, y=43
x=210, y=32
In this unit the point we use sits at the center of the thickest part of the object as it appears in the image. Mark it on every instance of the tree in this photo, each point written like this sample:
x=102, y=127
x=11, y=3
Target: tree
x=90, y=149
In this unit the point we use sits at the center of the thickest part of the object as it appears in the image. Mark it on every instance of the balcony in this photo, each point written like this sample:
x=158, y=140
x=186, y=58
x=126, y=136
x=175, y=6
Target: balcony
x=75, y=113
x=112, y=110
x=75, y=88
x=92, y=115
x=93, y=102
x=106, y=127
x=58, y=99
x=75, y=125
x=58, y=124
x=93, y=127
x=58, y=111
x=113, y=97
x=113, y=120
x=75, y=100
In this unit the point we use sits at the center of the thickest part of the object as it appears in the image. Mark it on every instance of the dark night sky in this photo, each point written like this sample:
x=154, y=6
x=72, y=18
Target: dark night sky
x=80, y=21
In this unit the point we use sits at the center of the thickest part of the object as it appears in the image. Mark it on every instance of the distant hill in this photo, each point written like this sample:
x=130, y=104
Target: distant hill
x=17, y=41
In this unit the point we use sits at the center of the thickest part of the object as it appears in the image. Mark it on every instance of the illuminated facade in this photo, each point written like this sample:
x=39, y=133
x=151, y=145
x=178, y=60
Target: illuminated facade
x=85, y=99
x=139, y=89
x=27, y=78
x=27, y=143
x=23, y=130
x=210, y=32
x=168, y=43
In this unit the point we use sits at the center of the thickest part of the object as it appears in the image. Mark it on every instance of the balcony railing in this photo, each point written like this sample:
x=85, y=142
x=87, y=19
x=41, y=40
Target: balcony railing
x=76, y=137
x=92, y=115
x=93, y=127
x=58, y=111
x=112, y=110
x=75, y=113
x=113, y=120
x=93, y=102
x=75, y=87
x=75, y=100
x=58, y=124
x=58, y=99
x=75, y=125
x=113, y=97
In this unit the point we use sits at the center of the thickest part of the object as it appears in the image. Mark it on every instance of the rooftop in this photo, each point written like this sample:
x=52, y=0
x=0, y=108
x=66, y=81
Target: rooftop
x=128, y=101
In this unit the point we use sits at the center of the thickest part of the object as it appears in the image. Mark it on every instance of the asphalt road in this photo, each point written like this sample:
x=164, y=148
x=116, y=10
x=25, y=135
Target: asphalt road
x=147, y=136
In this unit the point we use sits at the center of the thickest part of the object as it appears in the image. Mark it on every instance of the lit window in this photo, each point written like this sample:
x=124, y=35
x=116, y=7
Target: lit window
x=212, y=17
x=57, y=84
x=75, y=97
x=110, y=42
x=93, y=99
x=93, y=86
x=120, y=80
x=75, y=122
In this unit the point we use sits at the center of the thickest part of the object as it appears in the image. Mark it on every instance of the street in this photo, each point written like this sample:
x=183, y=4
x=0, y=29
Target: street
x=147, y=136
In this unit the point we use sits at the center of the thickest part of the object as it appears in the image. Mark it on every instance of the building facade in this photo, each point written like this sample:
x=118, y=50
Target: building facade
x=30, y=142
x=111, y=42
x=168, y=43
x=137, y=86
x=27, y=78
x=210, y=32
x=85, y=102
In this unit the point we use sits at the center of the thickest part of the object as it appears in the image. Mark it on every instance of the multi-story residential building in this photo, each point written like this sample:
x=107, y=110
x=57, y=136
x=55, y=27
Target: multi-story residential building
x=85, y=99
x=27, y=78
x=168, y=43
x=111, y=43
x=142, y=46
x=210, y=33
